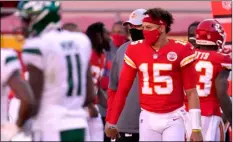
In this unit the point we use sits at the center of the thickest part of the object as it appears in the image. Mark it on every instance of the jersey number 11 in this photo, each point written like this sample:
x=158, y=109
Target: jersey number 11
x=70, y=78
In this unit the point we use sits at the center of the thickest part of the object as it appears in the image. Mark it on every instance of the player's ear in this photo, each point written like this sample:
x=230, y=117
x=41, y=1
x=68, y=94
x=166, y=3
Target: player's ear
x=162, y=29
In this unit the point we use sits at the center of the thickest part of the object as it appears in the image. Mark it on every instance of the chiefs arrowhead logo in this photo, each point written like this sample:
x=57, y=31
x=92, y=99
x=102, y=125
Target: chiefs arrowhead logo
x=171, y=56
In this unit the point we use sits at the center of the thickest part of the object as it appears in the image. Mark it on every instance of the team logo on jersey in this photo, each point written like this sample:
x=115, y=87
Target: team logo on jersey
x=226, y=5
x=155, y=56
x=171, y=56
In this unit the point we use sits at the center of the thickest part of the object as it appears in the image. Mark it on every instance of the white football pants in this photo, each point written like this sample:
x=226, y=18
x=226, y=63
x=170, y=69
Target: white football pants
x=162, y=126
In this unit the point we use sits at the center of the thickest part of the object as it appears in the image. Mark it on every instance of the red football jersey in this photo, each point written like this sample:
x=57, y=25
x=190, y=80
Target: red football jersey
x=97, y=66
x=207, y=65
x=163, y=76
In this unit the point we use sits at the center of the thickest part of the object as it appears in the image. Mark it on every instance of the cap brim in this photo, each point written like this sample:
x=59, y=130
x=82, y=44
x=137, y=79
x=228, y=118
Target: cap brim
x=133, y=22
x=126, y=23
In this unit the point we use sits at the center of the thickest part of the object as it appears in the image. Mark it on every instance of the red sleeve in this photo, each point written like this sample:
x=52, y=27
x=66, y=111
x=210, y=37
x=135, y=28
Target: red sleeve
x=187, y=55
x=125, y=82
x=226, y=62
x=111, y=95
x=189, y=76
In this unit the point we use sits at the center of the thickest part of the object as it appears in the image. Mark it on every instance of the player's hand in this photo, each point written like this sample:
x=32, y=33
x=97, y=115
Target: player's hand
x=111, y=131
x=9, y=130
x=196, y=135
x=92, y=111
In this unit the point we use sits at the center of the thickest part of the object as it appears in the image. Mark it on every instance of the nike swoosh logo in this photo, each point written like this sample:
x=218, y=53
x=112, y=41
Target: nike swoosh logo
x=174, y=119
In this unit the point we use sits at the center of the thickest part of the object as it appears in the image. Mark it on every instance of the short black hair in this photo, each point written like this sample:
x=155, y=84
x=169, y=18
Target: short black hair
x=93, y=31
x=159, y=13
x=194, y=24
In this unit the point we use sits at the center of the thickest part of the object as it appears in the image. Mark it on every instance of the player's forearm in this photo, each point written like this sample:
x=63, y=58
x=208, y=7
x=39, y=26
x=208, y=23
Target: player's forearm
x=28, y=106
x=120, y=99
x=125, y=82
x=226, y=106
x=194, y=109
x=24, y=93
x=119, y=103
x=24, y=113
x=90, y=96
x=110, y=100
x=221, y=85
x=193, y=99
x=36, y=81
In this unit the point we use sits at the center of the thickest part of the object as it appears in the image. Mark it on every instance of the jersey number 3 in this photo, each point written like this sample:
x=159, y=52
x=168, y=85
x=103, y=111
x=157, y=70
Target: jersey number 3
x=205, y=80
x=157, y=78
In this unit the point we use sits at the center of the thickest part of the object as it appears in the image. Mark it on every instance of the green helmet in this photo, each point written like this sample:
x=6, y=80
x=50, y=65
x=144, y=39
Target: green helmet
x=39, y=15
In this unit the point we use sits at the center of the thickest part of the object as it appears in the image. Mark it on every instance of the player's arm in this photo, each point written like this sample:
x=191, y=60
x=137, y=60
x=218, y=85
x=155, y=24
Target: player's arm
x=189, y=77
x=221, y=85
x=90, y=97
x=36, y=81
x=113, y=85
x=24, y=93
x=19, y=86
x=89, y=88
x=11, y=69
x=33, y=59
x=125, y=82
x=126, y=79
x=192, y=95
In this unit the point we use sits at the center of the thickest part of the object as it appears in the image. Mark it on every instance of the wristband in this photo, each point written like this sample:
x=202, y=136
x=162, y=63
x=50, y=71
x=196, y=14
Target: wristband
x=196, y=130
x=195, y=115
x=111, y=126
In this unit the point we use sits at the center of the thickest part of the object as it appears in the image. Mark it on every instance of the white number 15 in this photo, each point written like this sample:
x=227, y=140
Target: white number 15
x=157, y=78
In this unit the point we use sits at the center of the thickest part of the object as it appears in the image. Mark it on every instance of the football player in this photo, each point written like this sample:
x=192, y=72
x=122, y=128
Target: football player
x=100, y=43
x=10, y=77
x=164, y=67
x=213, y=70
x=58, y=65
x=128, y=123
x=192, y=33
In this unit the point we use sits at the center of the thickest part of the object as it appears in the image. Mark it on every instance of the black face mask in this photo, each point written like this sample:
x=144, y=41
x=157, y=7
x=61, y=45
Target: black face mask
x=136, y=34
